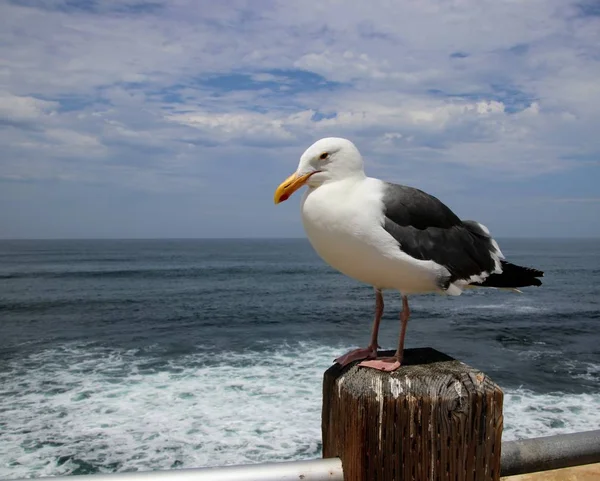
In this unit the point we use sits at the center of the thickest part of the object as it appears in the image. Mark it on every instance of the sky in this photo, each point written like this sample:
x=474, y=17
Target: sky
x=179, y=118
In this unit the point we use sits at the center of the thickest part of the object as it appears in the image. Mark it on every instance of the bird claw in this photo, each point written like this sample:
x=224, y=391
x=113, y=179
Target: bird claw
x=356, y=355
x=386, y=364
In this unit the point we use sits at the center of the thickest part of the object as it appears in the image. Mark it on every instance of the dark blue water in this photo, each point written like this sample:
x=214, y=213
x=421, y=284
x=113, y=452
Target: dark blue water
x=156, y=354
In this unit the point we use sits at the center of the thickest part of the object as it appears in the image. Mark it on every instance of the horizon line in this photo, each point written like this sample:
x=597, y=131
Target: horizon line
x=17, y=239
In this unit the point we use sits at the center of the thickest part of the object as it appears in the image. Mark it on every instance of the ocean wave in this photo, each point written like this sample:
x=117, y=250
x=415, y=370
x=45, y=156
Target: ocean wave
x=527, y=414
x=82, y=409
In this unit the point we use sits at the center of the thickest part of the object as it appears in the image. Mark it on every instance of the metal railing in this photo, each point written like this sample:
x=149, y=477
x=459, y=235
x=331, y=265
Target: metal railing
x=314, y=470
x=550, y=452
x=518, y=457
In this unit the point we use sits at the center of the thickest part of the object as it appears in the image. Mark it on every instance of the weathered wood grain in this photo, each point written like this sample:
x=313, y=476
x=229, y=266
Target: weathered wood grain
x=434, y=419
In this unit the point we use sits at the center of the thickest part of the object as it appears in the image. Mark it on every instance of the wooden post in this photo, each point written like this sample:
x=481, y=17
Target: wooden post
x=435, y=418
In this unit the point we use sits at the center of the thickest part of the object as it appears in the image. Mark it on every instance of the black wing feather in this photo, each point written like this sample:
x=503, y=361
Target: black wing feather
x=426, y=229
x=513, y=276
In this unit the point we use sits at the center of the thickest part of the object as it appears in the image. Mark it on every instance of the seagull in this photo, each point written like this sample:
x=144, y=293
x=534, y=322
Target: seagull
x=392, y=237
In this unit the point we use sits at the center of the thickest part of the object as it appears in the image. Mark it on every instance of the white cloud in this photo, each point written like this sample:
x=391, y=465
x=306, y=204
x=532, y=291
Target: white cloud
x=16, y=108
x=240, y=126
x=346, y=66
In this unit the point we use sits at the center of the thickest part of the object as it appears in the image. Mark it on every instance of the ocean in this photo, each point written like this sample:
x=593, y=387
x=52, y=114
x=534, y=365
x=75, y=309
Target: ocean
x=159, y=354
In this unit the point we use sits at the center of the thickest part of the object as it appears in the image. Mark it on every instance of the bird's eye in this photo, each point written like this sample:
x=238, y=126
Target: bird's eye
x=323, y=156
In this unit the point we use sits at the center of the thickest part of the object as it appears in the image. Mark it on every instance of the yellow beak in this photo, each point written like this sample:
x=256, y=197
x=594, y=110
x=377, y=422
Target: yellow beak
x=290, y=185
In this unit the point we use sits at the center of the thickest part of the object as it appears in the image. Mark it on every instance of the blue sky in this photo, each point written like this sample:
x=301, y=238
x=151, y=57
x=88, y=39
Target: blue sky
x=124, y=118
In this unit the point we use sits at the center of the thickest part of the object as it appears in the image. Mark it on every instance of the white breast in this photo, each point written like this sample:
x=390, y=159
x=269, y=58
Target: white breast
x=344, y=223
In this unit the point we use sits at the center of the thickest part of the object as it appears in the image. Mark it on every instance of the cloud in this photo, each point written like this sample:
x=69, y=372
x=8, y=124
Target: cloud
x=248, y=126
x=175, y=98
x=24, y=109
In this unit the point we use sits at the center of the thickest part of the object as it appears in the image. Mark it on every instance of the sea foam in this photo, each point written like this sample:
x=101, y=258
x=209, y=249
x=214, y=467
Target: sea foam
x=81, y=409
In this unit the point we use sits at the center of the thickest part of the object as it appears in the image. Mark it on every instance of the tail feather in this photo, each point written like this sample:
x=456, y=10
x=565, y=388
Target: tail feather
x=513, y=276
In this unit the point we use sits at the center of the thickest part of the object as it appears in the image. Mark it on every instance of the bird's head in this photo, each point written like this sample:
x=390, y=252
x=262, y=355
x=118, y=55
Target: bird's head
x=326, y=160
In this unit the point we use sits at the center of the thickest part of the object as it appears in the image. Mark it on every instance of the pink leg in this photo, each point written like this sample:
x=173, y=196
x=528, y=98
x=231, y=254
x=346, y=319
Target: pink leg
x=392, y=363
x=369, y=352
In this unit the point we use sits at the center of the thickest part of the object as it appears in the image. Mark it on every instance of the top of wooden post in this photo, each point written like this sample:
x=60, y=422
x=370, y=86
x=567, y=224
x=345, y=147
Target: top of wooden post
x=426, y=364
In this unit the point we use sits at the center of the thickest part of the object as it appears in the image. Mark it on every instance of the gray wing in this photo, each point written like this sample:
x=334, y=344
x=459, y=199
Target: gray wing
x=426, y=229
